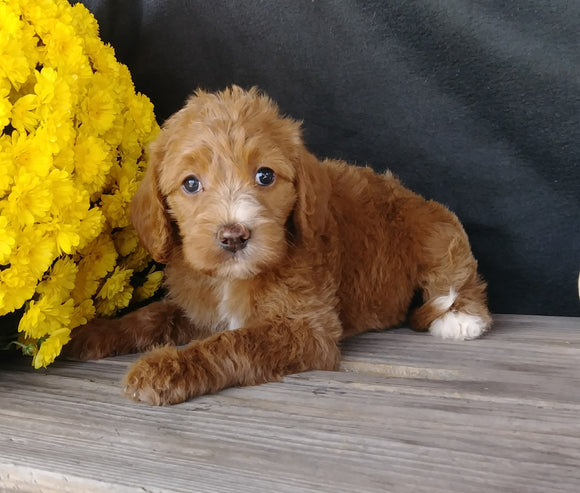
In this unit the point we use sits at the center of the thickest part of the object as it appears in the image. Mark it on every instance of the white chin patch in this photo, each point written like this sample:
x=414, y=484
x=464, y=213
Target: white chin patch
x=458, y=325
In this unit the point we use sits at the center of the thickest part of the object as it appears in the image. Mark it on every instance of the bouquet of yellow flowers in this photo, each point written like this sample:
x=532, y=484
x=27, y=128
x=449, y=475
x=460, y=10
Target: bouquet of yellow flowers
x=74, y=134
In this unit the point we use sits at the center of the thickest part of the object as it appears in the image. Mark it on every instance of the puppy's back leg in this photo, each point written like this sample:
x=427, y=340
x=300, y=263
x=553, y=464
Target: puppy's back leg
x=454, y=295
x=161, y=322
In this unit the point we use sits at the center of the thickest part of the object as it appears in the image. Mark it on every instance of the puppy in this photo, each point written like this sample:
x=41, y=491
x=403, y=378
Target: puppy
x=272, y=256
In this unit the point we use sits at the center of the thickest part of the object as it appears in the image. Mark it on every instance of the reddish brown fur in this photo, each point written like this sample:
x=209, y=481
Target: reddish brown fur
x=335, y=250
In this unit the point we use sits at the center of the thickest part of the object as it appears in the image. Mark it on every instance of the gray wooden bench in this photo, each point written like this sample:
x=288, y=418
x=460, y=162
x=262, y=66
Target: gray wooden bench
x=408, y=413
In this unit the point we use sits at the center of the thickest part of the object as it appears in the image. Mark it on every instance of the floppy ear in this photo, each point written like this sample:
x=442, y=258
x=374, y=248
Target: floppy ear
x=148, y=210
x=313, y=189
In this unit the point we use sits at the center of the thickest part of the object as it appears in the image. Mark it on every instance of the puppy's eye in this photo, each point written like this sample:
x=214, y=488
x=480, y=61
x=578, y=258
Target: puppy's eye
x=265, y=177
x=191, y=185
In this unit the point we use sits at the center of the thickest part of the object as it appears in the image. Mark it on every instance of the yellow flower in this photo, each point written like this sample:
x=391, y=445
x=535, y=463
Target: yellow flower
x=83, y=312
x=7, y=241
x=116, y=205
x=50, y=348
x=101, y=255
x=14, y=64
x=126, y=241
x=100, y=107
x=6, y=165
x=102, y=58
x=54, y=94
x=5, y=108
x=45, y=316
x=85, y=24
x=92, y=162
x=9, y=19
x=60, y=280
x=140, y=109
x=91, y=226
x=108, y=307
x=24, y=118
x=29, y=200
x=35, y=249
x=30, y=154
x=138, y=260
x=149, y=287
x=72, y=151
x=116, y=293
x=116, y=210
x=98, y=259
x=17, y=285
x=118, y=281
x=63, y=48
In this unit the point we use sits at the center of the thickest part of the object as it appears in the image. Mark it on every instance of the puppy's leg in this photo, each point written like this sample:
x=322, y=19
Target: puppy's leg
x=157, y=323
x=246, y=356
x=455, y=304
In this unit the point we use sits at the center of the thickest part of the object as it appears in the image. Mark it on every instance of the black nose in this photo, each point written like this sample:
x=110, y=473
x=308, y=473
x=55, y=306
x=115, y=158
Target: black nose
x=233, y=237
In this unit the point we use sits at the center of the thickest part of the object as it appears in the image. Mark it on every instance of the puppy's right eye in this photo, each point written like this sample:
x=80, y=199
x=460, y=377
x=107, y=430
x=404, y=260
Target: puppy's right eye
x=191, y=185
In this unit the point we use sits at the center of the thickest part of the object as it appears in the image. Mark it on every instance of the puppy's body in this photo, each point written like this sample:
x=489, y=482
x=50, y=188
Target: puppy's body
x=273, y=257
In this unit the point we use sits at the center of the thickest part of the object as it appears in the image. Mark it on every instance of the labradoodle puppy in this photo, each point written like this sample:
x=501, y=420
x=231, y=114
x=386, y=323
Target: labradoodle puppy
x=272, y=256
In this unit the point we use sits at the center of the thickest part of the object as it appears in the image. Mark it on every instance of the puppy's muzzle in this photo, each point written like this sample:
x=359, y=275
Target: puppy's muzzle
x=233, y=237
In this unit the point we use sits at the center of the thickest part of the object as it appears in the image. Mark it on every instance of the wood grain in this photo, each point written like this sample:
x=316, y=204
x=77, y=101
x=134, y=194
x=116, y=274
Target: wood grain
x=410, y=413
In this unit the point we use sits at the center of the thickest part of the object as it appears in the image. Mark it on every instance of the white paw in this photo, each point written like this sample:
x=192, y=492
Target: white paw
x=459, y=326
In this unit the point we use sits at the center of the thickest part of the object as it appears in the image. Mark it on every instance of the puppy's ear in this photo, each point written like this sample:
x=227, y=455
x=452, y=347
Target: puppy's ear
x=148, y=210
x=313, y=188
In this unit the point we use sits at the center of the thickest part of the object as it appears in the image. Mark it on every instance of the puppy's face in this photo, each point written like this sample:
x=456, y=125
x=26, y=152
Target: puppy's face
x=225, y=173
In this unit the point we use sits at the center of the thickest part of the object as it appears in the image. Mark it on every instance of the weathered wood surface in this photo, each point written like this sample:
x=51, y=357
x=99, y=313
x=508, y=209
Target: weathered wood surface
x=409, y=413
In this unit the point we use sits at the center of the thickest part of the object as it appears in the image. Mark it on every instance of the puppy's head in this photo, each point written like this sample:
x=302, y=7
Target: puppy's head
x=227, y=176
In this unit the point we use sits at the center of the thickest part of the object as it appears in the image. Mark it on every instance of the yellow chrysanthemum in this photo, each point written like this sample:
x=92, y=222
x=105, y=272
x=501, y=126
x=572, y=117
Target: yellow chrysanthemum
x=149, y=287
x=7, y=241
x=46, y=316
x=17, y=284
x=14, y=64
x=90, y=226
x=54, y=95
x=29, y=201
x=60, y=281
x=98, y=259
x=137, y=260
x=92, y=162
x=100, y=107
x=30, y=154
x=50, y=348
x=121, y=299
x=6, y=165
x=117, y=282
x=35, y=249
x=72, y=150
x=126, y=241
x=5, y=108
x=62, y=47
x=24, y=118
x=116, y=293
x=83, y=312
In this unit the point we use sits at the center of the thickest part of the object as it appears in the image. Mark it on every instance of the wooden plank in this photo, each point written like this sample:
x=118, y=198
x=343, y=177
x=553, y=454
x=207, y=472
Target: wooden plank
x=418, y=414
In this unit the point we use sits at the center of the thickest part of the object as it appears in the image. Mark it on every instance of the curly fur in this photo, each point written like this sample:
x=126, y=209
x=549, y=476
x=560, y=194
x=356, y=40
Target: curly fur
x=334, y=250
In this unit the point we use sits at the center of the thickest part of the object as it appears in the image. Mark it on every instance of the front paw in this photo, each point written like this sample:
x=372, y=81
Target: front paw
x=94, y=340
x=159, y=378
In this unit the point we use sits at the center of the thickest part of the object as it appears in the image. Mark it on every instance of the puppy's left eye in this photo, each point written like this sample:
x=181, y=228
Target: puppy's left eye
x=265, y=177
x=191, y=185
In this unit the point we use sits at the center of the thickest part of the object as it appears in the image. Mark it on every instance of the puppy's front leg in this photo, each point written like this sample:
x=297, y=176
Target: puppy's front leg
x=160, y=322
x=247, y=356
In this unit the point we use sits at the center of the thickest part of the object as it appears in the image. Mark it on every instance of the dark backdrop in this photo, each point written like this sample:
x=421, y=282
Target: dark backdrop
x=475, y=104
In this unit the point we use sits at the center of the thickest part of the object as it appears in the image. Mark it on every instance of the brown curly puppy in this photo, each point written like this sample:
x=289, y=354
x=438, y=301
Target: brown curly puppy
x=272, y=256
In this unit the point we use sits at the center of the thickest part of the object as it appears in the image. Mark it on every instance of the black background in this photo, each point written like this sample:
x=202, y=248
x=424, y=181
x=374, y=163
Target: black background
x=475, y=104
